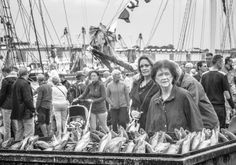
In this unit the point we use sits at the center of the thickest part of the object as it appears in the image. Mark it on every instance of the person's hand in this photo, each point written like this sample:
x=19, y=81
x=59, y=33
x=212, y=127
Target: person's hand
x=136, y=114
x=89, y=100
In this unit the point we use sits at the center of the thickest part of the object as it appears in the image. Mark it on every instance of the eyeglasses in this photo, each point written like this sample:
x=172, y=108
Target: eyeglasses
x=145, y=65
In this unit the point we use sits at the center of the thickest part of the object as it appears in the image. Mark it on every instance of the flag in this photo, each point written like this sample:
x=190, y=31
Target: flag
x=65, y=31
x=147, y=1
x=125, y=15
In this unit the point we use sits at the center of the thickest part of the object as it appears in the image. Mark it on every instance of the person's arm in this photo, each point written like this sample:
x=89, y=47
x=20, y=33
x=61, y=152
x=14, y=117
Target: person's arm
x=192, y=113
x=85, y=93
x=39, y=98
x=108, y=92
x=192, y=88
x=227, y=94
x=103, y=94
x=3, y=92
x=126, y=88
x=28, y=97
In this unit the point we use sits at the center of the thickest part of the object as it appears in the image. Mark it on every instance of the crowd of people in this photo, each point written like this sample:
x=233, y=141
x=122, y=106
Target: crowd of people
x=161, y=96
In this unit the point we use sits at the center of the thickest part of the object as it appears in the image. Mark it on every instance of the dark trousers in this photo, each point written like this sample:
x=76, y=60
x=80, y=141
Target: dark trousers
x=119, y=117
x=221, y=113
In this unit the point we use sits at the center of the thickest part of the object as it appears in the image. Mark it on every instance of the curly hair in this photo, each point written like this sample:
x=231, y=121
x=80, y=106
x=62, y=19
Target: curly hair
x=168, y=64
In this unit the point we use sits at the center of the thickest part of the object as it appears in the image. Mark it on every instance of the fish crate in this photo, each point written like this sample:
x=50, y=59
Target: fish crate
x=220, y=154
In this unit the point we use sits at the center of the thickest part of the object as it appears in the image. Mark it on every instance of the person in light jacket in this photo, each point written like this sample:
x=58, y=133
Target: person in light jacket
x=118, y=98
x=60, y=104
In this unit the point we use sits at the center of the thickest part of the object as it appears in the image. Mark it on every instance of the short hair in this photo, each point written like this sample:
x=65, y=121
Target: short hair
x=216, y=58
x=55, y=80
x=168, y=64
x=6, y=69
x=23, y=71
x=144, y=57
x=199, y=64
x=227, y=59
x=96, y=72
x=40, y=77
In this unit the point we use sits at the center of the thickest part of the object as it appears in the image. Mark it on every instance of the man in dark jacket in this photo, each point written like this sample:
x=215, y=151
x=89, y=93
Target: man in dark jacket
x=22, y=106
x=6, y=99
x=43, y=104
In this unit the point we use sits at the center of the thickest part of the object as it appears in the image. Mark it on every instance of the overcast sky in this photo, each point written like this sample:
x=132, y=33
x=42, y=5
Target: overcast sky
x=89, y=13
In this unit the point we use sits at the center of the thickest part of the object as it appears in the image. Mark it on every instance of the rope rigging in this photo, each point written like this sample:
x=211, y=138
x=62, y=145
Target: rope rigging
x=158, y=22
x=108, y=2
x=203, y=25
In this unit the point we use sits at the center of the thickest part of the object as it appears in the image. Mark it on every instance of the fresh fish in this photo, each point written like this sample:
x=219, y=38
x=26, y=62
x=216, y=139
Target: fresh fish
x=154, y=139
x=161, y=147
x=173, y=149
x=186, y=144
x=16, y=146
x=116, y=148
x=205, y=144
x=100, y=134
x=169, y=138
x=208, y=133
x=142, y=137
x=133, y=127
x=7, y=143
x=183, y=133
x=177, y=134
x=113, y=134
x=63, y=142
x=228, y=133
x=129, y=147
x=140, y=147
x=123, y=133
x=104, y=141
x=113, y=143
x=70, y=147
x=48, y=149
x=150, y=149
x=42, y=145
x=83, y=143
x=196, y=141
x=222, y=137
x=24, y=143
x=214, y=137
x=95, y=137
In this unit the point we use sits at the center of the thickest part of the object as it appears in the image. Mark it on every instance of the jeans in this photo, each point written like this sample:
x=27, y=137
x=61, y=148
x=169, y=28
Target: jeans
x=6, y=114
x=221, y=113
x=24, y=128
x=119, y=117
x=60, y=112
x=102, y=118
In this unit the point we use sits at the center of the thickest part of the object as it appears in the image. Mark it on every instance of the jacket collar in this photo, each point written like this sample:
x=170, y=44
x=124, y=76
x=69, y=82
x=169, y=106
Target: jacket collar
x=158, y=99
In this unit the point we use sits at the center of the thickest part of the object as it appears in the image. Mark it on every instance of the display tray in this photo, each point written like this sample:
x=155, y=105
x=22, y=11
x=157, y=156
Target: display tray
x=223, y=152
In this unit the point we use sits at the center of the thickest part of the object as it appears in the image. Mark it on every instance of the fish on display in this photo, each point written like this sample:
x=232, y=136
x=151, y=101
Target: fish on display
x=161, y=147
x=229, y=134
x=129, y=147
x=173, y=149
x=7, y=143
x=140, y=147
x=83, y=143
x=42, y=145
x=186, y=144
x=113, y=143
x=105, y=140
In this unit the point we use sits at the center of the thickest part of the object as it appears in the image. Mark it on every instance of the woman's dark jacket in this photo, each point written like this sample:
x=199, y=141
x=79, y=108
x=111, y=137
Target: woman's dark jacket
x=141, y=98
x=96, y=91
x=22, y=100
x=6, y=92
x=178, y=110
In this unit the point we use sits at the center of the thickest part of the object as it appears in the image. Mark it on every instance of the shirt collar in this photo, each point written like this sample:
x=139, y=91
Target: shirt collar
x=158, y=98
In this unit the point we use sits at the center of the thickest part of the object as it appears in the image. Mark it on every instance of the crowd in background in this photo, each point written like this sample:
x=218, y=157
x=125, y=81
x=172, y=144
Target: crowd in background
x=161, y=96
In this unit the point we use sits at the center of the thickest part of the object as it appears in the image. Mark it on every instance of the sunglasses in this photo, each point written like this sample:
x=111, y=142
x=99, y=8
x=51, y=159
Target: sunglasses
x=145, y=65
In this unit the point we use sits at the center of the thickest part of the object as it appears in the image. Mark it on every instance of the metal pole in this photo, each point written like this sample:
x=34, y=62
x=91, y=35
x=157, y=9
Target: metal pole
x=40, y=58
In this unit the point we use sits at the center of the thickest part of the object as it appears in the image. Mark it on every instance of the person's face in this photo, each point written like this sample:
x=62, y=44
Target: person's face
x=230, y=63
x=203, y=68
x=145, y=68
x=116, y=77
x=94, y=76
x=163, y=77
x=220, y=64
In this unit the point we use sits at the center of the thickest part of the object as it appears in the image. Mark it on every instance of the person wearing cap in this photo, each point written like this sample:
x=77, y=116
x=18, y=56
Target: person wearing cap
x=216, y=86
x=6, y=99
x=78, y=87
x=59, y=104
x=118, y=98
x=23, y=109
x=43, y=104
